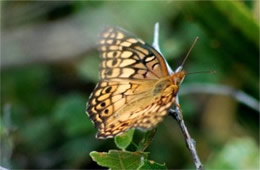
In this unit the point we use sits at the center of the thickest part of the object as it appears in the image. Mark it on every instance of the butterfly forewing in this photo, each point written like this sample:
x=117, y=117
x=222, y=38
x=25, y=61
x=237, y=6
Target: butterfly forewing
x=131, y=92
x=127, y=57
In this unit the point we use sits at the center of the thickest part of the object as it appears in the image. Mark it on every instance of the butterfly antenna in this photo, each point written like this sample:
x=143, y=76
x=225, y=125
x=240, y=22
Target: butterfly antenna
x=198, y=72
x=187, y=55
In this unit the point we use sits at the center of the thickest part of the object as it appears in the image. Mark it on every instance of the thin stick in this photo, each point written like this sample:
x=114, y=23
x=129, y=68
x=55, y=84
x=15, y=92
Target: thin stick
x=177, y=113
x=156, y=44
x=156, y=37
x=190, y=143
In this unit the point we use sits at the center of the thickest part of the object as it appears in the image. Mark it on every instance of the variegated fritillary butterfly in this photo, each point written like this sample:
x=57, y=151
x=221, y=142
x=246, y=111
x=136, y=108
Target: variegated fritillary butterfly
x=137, y=87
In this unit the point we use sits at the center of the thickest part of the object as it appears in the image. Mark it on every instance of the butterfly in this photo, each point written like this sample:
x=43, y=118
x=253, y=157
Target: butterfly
x=136, y=88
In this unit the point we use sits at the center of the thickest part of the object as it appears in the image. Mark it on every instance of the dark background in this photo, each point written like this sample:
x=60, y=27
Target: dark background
x=49, y=66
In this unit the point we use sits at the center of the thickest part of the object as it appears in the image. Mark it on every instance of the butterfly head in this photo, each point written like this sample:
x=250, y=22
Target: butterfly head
x=178, y=77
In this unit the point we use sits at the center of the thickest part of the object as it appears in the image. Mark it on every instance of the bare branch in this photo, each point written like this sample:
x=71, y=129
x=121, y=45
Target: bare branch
x=177, y=113
x=2, y=168
x=156, y=37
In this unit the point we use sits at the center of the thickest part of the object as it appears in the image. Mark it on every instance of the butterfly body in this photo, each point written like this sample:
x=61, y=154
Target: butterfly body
x=136, y=89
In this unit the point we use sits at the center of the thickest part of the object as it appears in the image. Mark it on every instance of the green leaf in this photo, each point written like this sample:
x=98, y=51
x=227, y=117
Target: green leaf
x=116, y=159
x=122, y=141
x=149, y=164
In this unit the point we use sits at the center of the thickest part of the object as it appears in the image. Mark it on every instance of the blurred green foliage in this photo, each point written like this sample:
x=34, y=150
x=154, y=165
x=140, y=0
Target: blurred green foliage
x=49, y=67
x=243, y=151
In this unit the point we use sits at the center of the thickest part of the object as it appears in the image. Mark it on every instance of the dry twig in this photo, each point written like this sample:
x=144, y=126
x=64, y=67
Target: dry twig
x=176, y=114
x=191, y=144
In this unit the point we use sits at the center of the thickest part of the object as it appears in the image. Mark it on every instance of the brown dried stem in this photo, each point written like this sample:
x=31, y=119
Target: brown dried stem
x=190, y=143
x=176, y=114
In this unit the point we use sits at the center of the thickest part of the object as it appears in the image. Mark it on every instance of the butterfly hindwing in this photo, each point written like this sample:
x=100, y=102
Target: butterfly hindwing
x=118, y=106
x=110, y=96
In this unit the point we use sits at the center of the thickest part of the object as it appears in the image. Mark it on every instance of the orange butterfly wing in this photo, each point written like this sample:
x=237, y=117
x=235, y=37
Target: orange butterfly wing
x=133, y=91
x=127, y=57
